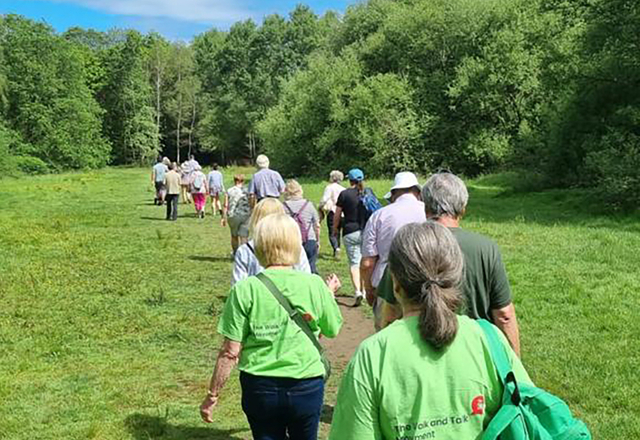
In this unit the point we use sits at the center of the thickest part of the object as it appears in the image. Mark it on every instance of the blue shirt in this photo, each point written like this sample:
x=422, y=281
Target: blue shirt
x=160, y=170
x=266, y=183
x=216, y=184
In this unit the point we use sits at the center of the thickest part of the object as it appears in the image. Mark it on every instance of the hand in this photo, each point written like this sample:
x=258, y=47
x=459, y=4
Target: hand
x=206, y=408
x=223, y=222
x=371, y=295
x=333, y=283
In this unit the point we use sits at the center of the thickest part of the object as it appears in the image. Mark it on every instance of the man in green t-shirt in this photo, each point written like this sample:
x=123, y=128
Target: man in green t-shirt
x=485, y=286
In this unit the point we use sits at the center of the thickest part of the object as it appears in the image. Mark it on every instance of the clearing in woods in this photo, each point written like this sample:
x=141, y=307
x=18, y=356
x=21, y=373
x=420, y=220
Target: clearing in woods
x=108, y=312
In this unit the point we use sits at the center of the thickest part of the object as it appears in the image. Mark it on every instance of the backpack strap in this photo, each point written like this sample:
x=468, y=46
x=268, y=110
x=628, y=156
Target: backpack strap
x=253, y=251
x=500, y=360
x=293, y=314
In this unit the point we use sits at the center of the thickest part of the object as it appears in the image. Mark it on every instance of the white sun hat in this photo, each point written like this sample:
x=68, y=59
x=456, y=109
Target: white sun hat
x=403, y=180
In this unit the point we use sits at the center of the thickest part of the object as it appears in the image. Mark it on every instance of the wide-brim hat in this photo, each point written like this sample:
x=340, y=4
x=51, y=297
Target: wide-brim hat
x=403, y=180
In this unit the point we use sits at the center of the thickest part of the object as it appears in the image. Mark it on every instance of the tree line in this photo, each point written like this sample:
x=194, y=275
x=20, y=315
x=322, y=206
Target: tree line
x=547, y=86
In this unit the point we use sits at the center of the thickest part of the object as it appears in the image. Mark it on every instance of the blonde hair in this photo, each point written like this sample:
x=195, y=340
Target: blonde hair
x=293, y=190
x=238, y=178
x=264, y=208
x=277, y=240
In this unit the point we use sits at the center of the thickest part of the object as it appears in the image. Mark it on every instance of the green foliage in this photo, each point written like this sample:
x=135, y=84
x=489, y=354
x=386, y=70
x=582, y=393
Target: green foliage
x=48, y=103
x=127, y=98
x=331, y=115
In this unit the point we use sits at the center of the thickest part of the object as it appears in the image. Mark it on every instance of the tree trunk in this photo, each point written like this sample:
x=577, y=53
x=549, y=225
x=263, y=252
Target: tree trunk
x=179, y=115
x=193, y=122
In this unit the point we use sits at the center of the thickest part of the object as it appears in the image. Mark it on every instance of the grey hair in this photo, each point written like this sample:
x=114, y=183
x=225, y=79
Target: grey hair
x=262, y=161
x=445, y=194
x=336, y=176
x=427, y=262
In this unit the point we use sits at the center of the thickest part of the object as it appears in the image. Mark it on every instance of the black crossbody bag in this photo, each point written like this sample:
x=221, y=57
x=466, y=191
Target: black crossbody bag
x=298, y=319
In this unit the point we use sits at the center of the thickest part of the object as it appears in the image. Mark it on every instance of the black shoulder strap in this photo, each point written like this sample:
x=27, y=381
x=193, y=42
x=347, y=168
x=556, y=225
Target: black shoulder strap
x=293, y=314
x=251, y=248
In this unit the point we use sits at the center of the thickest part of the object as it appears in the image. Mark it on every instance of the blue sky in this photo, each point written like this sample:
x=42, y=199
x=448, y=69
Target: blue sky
x=176, y=19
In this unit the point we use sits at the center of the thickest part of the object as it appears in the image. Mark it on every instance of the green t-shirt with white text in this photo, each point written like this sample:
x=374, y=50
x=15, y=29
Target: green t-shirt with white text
x=397, y=387
x=272, y=344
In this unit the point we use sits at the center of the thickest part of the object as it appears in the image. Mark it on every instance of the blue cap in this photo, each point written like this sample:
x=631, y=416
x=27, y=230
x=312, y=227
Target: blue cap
x=356, y=175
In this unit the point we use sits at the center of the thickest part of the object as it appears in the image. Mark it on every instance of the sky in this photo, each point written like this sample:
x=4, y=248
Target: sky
x=175, y=19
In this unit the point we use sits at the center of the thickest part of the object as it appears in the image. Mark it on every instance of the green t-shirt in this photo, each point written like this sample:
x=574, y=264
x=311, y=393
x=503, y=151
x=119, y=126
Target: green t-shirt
x=272, y=344
x=485, y=286
x=397, y=387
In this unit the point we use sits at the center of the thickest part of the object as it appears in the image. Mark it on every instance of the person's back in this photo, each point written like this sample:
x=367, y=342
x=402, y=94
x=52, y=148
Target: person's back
x=271, y=328
x=417, y=391
x=266, y=183
x=159, y=169
x=485, y=285
x=238, y=202
x=349, y=201
x=173, y=180
x=215, y=180
x=246, y=264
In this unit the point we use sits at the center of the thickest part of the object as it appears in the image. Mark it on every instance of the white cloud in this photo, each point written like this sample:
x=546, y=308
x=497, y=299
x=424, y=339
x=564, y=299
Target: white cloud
x=202, y=11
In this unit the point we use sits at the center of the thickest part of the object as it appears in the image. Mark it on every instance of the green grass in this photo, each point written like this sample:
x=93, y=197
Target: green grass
x=108, y=313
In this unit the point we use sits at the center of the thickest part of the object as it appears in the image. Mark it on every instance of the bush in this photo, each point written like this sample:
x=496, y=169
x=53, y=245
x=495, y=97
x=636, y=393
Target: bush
x=29, y=165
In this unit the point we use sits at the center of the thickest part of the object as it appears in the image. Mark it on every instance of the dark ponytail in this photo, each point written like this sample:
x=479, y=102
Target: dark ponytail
x=438, y=320
x=427, y=262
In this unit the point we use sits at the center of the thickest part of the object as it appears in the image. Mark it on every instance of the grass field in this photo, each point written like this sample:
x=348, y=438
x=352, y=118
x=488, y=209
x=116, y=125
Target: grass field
x=108, y=313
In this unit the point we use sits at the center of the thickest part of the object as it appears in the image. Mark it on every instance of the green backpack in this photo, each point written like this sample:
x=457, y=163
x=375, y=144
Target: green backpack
x=527, y=412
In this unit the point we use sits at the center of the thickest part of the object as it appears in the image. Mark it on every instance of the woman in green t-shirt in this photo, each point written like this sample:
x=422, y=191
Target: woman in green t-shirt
x=281, y=369
x=429, y=375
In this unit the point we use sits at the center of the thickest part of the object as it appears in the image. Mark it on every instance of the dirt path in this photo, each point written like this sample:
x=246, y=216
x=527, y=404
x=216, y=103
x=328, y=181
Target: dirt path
x=357, y=327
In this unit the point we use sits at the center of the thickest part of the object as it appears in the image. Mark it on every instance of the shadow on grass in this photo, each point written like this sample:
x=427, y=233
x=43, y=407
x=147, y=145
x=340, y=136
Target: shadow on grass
x=208, y=258
x=160, y=219
x=145, y=427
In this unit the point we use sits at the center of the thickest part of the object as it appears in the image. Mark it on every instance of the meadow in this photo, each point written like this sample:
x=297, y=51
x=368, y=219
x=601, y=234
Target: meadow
x=108, y=312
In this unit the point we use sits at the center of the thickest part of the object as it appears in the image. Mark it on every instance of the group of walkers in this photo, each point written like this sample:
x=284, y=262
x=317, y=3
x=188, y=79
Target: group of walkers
x=441, y=301
x=189, y=183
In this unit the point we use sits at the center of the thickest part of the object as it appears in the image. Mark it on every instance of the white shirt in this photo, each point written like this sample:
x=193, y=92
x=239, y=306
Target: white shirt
x=330, y=197
x=382, y=227
x=246, y=263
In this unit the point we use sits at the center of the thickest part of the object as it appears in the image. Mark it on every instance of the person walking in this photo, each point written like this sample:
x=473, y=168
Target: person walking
x=157, y=178
x=328, y=205
x=486, y=286
x=216, y=189
x=236, y=212
x=348, y=204
x=428, y=375
x=245, y=262
x=199, y=190
x=380, y=230
x=307, y=218
x=172, y=182
x=185, y=173
x=265, y=182
x=281, y=368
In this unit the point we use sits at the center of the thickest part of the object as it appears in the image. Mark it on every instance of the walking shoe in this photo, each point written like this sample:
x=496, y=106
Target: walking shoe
x=359, y=297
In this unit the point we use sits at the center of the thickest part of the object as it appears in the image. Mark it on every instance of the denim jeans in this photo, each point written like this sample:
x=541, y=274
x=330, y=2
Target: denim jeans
x=311, y=249
x=172, y=206
x=282, y=408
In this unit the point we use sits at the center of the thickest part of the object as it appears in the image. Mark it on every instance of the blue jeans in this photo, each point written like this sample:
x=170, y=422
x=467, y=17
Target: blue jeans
x=311, y=249
x=282, y=408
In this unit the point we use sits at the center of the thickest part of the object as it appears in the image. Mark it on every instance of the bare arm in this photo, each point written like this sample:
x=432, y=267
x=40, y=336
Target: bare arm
x=225, y=209
x=252, y=200
x=505, y=319
x=336, y=221
x=367, y=265
x=227, y=360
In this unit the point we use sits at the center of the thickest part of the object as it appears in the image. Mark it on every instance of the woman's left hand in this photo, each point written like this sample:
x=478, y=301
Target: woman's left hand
x=206, y=409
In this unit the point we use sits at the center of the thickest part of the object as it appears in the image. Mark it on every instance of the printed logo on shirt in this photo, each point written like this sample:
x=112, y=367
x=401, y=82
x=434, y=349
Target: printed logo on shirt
x=477, y=406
